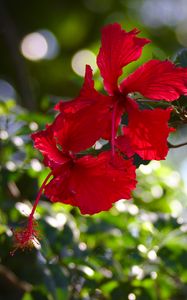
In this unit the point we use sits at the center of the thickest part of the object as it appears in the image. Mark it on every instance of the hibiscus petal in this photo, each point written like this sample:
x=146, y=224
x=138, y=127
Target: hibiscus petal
x=158, y=80
x=57, y=190
x=94, y=184
x=85, y=119
x=45, y=142
x=80, y=124
x=123, y=143
x=80, y=130
x=118, y=49
x=146, y=133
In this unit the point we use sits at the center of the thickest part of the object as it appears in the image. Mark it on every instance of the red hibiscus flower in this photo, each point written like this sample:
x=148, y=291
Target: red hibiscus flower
x=91, y=183
x=147, y=130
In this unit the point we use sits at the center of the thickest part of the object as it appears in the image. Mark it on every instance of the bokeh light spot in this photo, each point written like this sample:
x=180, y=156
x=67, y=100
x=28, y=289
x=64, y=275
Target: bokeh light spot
x=33, y=126
x=137, y=271
x=142, y=248
x=40, y=45
x=152, y=255
x=23, y=208
x=11, y=166
x=18, y=141
x=36, y=165
x=157, y=191
x=131, y=296
x=145, y=169
x=154, y=275
x=3, y=135
x=81, y=59
x=34, y=46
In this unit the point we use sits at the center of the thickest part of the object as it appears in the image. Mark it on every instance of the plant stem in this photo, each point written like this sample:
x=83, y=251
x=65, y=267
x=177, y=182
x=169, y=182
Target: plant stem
x=177, y=146
x=38, y=197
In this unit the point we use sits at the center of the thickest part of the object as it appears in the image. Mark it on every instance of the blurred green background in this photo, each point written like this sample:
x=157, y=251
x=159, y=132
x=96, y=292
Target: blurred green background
x=137, y=250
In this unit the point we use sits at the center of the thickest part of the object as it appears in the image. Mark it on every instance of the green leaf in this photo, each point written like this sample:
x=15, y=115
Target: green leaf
x=27, y=296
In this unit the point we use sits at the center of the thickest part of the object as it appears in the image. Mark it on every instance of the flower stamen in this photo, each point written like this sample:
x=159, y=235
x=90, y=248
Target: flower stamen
x=26, y=236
